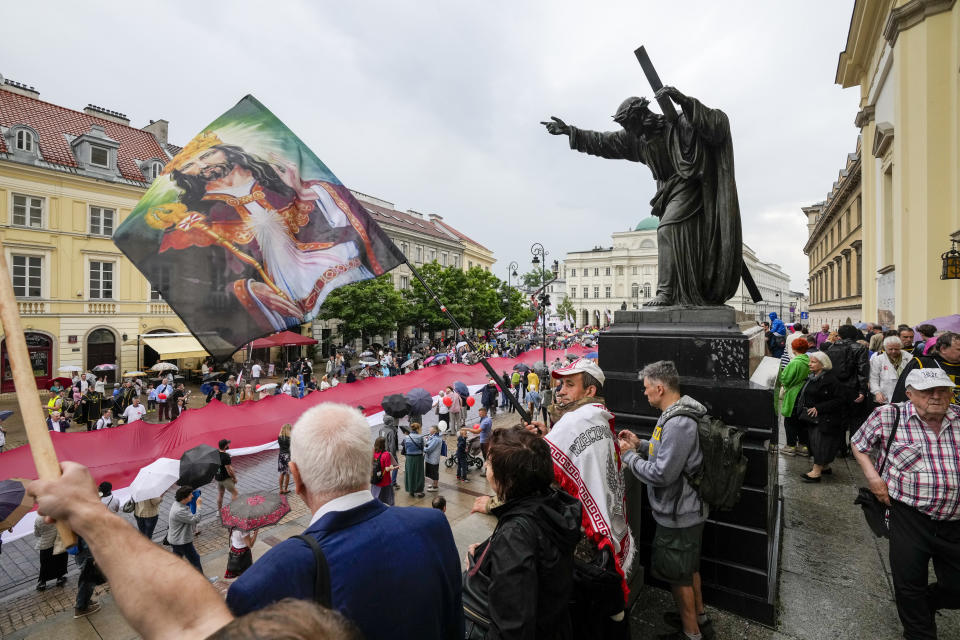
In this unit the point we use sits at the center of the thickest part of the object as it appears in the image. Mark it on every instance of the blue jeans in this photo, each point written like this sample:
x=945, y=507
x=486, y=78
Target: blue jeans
x=188, y=553
x=147, y=525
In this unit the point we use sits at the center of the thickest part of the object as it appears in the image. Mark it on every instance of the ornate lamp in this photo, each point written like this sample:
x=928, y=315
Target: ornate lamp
x=951, y=263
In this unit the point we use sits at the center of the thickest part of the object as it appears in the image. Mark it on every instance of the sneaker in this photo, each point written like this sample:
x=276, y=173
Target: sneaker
x=41, y=587
x=432, y=488
x=420, y=495
x=93, y=607
x=466, y=479
x=788, y=451
x=672, y=618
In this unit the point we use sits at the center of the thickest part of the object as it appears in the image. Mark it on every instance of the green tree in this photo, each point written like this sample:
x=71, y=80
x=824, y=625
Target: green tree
x=566, y=310
x=515, y=306
x=367, y=308
x=534, y=279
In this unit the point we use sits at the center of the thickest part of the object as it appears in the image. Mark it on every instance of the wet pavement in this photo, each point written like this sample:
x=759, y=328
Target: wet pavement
x=834, y=581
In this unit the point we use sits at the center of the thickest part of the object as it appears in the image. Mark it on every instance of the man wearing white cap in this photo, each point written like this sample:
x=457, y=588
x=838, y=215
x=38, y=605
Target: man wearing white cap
x=919, y=442
x=586, y=464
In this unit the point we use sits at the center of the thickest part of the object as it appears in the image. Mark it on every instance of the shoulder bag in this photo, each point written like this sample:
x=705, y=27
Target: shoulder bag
x=873, y=510
x=322, y=592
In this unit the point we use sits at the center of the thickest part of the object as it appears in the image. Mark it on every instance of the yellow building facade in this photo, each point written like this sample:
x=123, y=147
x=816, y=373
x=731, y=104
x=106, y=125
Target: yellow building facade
x=904, y=56
x=835, y=249
x=81, y=301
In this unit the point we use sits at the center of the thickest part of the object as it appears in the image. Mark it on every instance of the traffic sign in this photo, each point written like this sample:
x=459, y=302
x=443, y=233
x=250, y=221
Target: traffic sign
x=804, y=315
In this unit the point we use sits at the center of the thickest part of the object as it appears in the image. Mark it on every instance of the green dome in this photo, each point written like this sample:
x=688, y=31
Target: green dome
x=648, y=224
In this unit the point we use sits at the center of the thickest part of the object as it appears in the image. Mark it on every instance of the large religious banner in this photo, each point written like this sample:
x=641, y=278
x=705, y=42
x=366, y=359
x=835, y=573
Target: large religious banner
x=246, y=231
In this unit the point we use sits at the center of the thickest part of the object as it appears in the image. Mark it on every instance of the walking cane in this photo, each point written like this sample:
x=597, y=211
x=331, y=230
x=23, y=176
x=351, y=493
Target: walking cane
x=41, y=446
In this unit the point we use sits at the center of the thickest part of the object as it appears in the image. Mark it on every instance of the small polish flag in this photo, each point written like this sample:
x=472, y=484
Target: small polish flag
x=500, y=323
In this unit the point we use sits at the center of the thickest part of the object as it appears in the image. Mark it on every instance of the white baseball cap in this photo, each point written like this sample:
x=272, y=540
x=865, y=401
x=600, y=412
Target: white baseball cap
x=583, y=365
x=922, y=379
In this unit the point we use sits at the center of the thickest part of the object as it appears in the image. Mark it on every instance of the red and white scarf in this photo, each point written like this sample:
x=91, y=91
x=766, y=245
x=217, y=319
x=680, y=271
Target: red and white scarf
x=586, y=464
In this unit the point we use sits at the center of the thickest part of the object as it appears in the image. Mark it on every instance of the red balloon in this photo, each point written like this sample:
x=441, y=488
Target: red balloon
x=162, y=396
x=448, y=401
x=476, y=426
x=471, y=401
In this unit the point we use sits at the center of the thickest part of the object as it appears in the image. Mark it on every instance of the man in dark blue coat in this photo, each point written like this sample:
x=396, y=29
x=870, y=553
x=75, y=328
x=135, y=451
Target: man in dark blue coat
x=331, y=457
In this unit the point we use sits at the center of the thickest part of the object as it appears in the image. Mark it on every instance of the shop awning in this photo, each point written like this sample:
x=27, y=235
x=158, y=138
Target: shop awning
x=282, y=339
x=173, y=347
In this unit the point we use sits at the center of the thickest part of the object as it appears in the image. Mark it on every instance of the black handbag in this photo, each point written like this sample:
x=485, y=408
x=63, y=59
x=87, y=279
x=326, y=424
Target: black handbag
x=873, y=510
x=476, y=603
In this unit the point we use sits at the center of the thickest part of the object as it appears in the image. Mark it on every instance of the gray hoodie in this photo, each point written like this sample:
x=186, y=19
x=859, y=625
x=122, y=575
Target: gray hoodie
x=673, y=449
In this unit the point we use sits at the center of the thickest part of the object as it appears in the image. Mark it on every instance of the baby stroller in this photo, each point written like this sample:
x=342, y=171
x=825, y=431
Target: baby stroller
x=474, y=457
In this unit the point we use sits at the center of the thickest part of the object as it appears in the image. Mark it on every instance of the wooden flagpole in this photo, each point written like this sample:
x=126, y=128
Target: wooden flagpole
x=41, y=446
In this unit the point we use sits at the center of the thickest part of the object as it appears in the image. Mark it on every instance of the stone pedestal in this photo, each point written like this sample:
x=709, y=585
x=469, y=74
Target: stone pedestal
x=715, y=357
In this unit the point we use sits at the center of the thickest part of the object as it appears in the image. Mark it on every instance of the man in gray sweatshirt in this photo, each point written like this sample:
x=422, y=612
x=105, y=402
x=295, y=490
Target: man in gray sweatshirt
x=664, y=462
x=181, y=523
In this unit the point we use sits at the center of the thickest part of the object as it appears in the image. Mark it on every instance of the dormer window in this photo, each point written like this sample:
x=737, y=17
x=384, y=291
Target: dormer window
x=25, y=141
x=156, y=168
x=99, y=156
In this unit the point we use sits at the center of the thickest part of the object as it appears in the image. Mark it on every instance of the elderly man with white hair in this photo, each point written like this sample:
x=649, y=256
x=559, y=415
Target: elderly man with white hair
x=885, y=369
x=347, y=558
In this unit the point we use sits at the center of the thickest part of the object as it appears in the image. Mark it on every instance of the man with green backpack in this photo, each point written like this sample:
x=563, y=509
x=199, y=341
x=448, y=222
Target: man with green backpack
x=689, y=464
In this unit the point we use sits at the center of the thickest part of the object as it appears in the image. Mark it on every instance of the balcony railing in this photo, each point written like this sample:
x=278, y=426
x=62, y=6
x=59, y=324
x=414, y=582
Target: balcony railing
x=101, y=308
x=160, y=309
x=31, y=307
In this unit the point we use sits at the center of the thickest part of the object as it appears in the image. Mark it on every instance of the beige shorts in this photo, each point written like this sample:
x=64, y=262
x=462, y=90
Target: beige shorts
x=227, y=484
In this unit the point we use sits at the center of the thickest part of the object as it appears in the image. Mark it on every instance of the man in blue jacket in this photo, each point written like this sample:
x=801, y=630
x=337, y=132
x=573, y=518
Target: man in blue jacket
x=331, y=457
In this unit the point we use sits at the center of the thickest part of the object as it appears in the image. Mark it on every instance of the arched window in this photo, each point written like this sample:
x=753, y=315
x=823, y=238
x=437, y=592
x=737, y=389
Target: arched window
x=646, y=289
x=646, y=244
x=635, y=290
x=25, y=141
x=156, y=168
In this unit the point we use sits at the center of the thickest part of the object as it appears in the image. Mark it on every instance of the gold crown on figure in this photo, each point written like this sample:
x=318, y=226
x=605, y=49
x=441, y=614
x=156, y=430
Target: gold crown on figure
x=195, y=147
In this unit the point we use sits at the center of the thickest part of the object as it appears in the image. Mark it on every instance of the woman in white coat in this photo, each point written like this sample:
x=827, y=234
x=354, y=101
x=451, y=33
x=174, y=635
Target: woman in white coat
x=885, y=369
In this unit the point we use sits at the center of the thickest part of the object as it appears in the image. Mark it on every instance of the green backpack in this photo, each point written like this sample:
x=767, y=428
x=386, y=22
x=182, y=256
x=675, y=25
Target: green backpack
x=720, y=477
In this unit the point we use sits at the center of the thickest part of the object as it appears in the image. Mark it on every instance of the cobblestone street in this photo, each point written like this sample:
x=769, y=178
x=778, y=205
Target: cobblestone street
x=834, y=580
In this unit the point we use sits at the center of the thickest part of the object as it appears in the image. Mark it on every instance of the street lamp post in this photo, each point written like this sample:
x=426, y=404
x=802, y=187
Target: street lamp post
x=540, y=258
x=511, y=272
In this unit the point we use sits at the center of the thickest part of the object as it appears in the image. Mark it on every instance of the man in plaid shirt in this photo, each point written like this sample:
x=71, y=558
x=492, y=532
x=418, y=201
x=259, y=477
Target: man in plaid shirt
x=921, y=484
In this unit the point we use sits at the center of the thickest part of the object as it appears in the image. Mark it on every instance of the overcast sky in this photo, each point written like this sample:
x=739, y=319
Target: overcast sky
x=435, y=105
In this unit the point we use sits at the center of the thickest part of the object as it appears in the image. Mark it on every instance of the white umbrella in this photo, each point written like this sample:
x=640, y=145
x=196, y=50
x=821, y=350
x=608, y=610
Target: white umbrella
x=267, y=387
x=164, y=366
x=154, y=479
x=69, y=368
x=461, y=344
x=367, y=361
x=105, y=367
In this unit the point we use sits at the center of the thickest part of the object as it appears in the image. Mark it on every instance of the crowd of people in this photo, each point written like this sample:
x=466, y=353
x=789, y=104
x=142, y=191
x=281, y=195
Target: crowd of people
x=559, y=561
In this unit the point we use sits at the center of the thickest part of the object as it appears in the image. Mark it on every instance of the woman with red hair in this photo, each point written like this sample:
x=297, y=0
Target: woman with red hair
x=792, y=378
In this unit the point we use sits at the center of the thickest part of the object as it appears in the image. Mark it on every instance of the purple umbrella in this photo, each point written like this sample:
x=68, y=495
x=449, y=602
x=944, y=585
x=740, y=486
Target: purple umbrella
x=420, y=401
x=945, y=323
x=14, y=502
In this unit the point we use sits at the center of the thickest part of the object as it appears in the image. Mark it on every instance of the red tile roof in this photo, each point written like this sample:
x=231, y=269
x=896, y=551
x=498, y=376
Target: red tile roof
x=459, y=234
x=405, y=221
x=51, y=122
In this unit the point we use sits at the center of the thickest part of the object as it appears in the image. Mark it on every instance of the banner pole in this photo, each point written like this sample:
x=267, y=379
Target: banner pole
x=41, y=446
x=460, y=332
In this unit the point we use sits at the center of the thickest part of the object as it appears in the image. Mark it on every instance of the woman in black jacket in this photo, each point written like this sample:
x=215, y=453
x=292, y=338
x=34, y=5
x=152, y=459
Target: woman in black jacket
x=520, y=578
x=820, y=405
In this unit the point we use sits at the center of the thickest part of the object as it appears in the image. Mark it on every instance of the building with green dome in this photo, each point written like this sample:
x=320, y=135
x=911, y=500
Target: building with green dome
x=605, y=279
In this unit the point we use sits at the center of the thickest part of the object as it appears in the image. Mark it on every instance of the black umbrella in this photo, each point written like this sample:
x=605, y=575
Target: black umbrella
x=215, y=375
x=572, y=357
x=15, y=502
x=198, y=465
x=420, y=401
x=395, y=405
x=521, y=367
